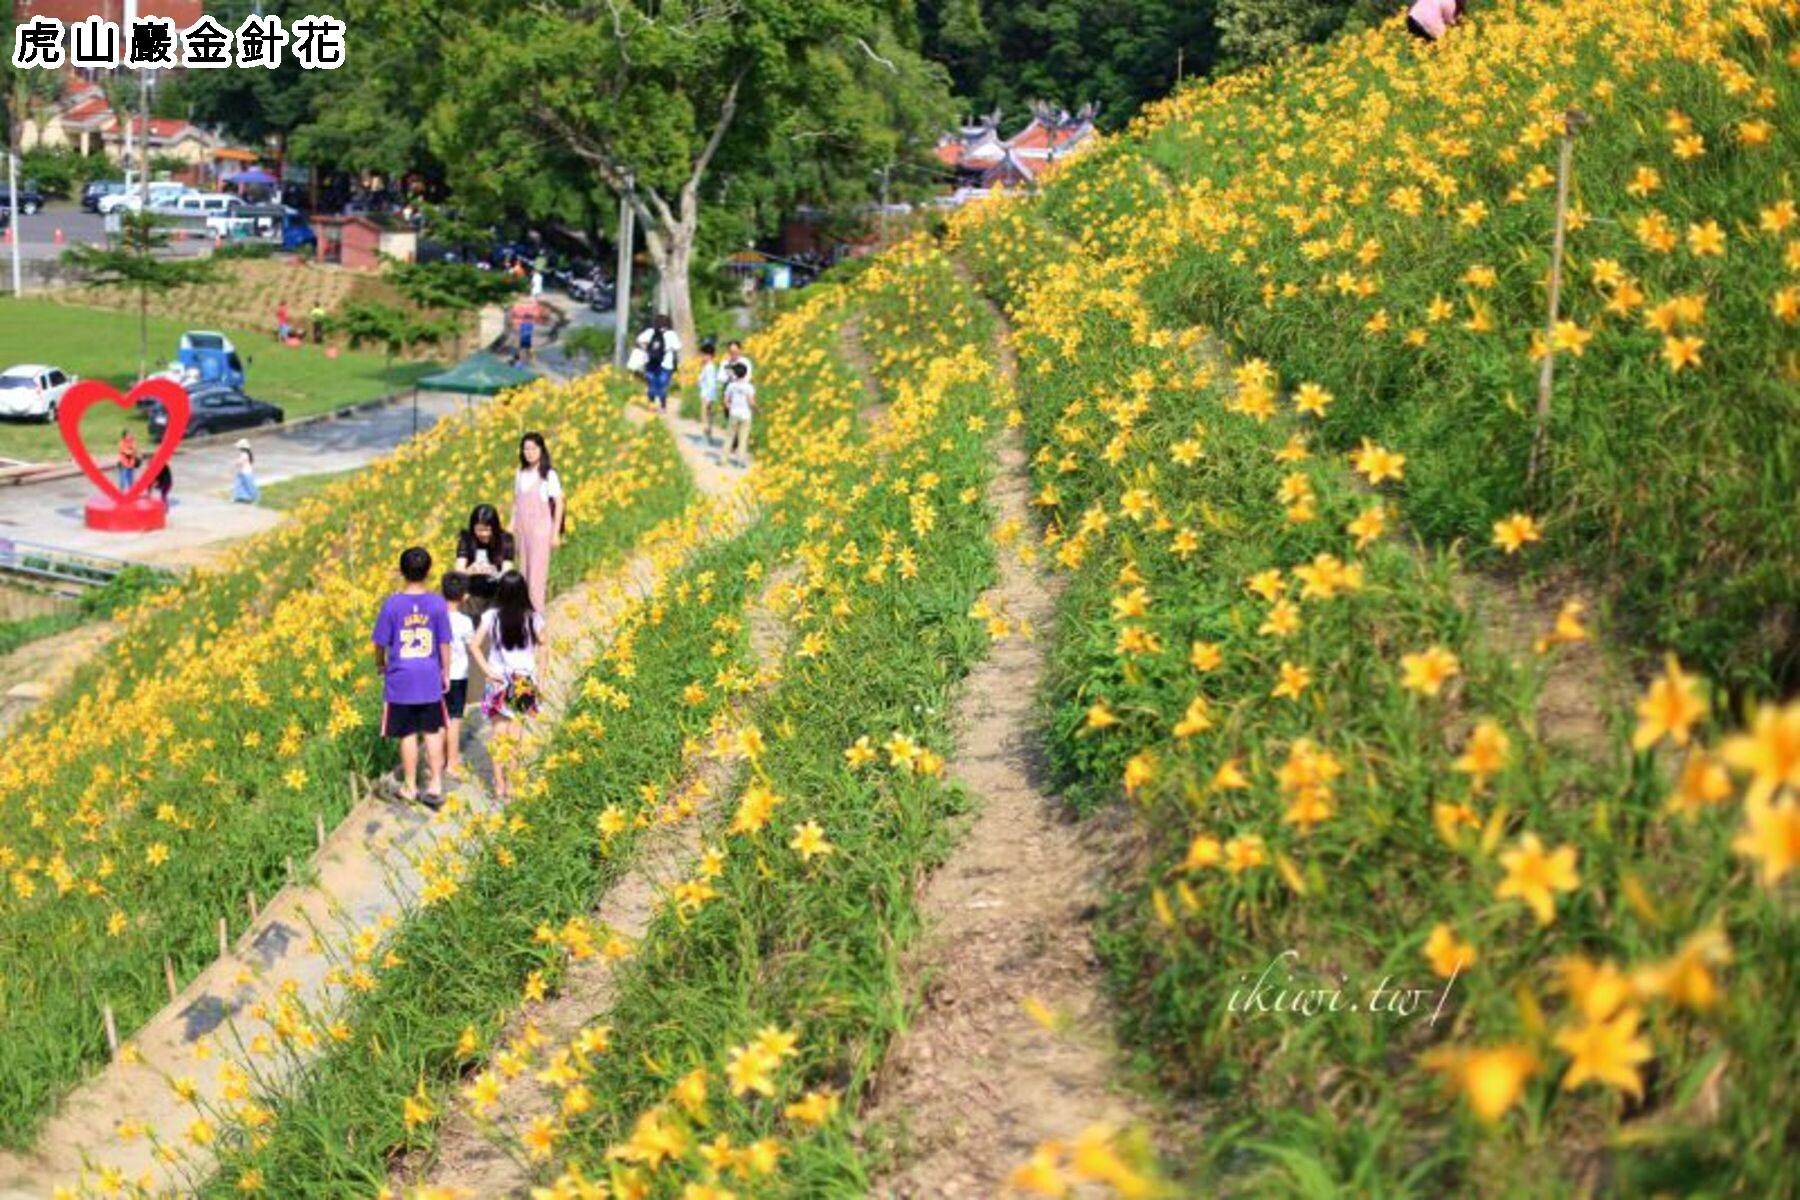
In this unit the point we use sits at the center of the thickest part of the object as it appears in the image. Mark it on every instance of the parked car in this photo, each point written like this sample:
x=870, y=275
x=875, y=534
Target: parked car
x=220, y=209
x=163, y=194
x=97, y=190
x=216, y=408
x=30, y=198
x=33, y=390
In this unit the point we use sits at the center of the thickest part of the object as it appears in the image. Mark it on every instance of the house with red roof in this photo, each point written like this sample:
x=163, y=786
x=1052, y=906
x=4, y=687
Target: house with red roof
x=980, y=158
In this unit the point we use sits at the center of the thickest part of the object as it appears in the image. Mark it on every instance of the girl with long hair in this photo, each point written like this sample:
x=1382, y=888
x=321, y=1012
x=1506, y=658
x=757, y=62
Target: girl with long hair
x=510, y=651
x=537, y=515
x=484, y=552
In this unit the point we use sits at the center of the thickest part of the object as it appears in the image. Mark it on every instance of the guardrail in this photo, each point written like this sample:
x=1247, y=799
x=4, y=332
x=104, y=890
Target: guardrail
x=54, y=565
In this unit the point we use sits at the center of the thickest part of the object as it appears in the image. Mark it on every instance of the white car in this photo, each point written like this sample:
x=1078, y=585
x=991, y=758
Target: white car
x=163, y=197
x=33, y=390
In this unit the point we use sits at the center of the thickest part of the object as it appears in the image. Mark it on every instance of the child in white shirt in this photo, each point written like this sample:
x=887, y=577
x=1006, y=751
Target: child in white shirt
x=712, y=381
x=740, y=407
x=456, y=692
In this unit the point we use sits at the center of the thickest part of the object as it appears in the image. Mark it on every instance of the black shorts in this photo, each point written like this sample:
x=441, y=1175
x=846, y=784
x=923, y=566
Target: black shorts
x=456, y=698
x=405, y=720
x=1417, y=30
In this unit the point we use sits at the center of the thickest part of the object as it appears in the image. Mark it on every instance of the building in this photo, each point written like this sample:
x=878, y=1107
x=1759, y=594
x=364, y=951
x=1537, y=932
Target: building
x=83, y=121
x=361, y=242
x=182, y=12
x=979, y=158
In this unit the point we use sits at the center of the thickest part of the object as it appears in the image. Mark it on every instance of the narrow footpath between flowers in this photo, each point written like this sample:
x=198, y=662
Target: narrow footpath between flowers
x=141, y=1120
x=1012, y=1045
x=479, y=1155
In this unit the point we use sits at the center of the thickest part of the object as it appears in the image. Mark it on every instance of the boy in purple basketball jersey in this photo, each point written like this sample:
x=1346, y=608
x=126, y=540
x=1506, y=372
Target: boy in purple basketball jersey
x=412, y=652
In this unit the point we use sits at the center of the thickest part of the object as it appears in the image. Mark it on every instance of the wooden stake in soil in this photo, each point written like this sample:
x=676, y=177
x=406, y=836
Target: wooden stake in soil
x=224, y=939
x=319, y=828
x=169, y=976
x=1573, y=120
x=112, y=1030
x=250, y=898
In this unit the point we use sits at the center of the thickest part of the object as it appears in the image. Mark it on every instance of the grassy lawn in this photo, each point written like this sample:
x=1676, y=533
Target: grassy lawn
x=100, y=344
x=290, y=493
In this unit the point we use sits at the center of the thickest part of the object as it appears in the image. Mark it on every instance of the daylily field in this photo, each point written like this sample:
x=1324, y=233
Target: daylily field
x=1354, y=684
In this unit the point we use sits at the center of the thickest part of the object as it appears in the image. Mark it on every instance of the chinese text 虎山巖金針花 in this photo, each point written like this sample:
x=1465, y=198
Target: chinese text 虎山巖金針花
x=315, y=43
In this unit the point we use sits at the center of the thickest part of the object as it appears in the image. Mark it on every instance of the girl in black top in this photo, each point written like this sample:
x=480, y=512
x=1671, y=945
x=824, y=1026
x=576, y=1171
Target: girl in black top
x=484, y=552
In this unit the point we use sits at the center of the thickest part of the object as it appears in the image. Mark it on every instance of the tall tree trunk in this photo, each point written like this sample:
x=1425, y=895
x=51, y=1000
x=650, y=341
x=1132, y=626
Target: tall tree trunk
x=143, y=331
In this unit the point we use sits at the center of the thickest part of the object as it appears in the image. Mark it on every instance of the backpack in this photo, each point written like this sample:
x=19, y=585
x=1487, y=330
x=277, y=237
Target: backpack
x=653, y=357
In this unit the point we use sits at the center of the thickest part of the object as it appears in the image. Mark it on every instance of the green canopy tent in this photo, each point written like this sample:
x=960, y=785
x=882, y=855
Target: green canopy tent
x=480, y=374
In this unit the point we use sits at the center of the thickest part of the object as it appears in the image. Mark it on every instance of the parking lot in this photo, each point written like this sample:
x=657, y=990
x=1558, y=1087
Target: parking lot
x=37, y=240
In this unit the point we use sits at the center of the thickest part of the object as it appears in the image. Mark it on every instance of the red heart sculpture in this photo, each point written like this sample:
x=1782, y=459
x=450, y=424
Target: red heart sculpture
x=89, y=392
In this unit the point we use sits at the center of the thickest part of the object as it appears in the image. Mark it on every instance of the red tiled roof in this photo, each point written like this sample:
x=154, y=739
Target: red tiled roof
x=1036, y=136
x=167, y=128
x=949, y=153
x=88, y=109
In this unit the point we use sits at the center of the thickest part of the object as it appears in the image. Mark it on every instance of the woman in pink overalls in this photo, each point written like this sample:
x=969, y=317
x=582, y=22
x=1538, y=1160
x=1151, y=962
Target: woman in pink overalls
x=536, y=516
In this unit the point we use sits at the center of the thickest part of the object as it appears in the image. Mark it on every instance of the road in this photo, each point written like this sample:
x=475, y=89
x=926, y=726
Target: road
x=37, y=236
x=203, y=520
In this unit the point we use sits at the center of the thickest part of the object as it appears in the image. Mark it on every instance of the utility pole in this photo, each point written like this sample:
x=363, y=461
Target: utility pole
x=12, y=192
x=622, y=282
x=885, y=169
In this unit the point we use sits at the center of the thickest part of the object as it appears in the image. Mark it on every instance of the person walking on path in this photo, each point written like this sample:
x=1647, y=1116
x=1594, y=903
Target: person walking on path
x=537, y=515
x=740, y=407
x=710, y=386
x=243, y=483
x=128, y=460
x=734, y=354
x=412, y=640
x=527, y=335
x=455, y=589
x=316, y=319
x=657, y=354
x=484, y=552
x=509, y=648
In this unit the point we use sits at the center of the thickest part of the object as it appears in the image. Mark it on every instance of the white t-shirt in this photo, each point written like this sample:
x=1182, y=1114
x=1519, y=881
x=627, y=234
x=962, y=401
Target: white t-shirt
x=462, y=632
x=511, y=660
x=740, y=399
x=712, y=377
x=671, y=345
x=528, y=480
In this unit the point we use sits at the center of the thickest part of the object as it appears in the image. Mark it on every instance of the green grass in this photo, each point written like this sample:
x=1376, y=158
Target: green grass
x=291, y=493
x=98, y=343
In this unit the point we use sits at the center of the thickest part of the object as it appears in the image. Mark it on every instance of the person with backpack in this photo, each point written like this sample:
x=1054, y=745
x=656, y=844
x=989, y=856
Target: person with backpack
x=657, y=355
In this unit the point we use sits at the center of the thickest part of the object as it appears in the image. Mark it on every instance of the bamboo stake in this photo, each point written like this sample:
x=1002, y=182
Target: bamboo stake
x=250, y=897
x=319, y=828
x=112, y=1030
x=224, y=939
x=1573, y=120
x=169, y=976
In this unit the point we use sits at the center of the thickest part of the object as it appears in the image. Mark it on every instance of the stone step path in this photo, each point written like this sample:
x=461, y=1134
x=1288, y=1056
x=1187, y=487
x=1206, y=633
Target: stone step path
x=367, y=875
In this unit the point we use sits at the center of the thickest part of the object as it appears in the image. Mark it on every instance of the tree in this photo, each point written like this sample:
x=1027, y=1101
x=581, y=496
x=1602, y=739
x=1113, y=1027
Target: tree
x=655, y=100
x=134, y=263
x=1069, y=52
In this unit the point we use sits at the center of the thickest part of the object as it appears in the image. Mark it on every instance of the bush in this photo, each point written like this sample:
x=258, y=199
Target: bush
x=457, y=286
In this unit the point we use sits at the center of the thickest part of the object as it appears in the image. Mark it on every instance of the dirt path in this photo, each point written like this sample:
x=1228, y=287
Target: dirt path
x=42, y=667
x=855, y=350
x=977, y=1083
x=366, y=874
x=480, y=1158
